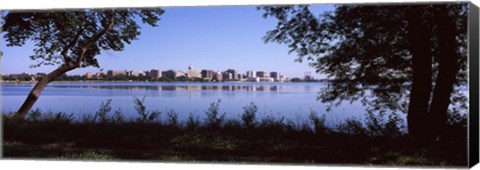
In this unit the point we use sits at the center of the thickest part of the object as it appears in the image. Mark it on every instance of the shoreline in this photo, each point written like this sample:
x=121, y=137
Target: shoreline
x=123, y=81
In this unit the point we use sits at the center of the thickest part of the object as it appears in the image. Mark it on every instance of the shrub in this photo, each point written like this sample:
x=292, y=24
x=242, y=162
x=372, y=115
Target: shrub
x=145, y=115
x=214, y=119
x=88, y=119
x=351, y=127
x=378, y=125
x=58, y=117
x=394, y=125
x=103, y=111
x=271, y=122
x=118, y=116
x=232, y=124
x=249, y=114
x=374, y=123
x=35, y=115
x=192, y=122
x=319, y=125
x=172, y=118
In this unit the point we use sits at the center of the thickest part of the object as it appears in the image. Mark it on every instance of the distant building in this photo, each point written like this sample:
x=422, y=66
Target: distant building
x=89, y=75
x=262, y=74
x=218, y=76
x=193, y=73
x=113, y=73
x=234, y=74
x=207, y=74
x=253, y=79
x=180, y=73
x=155, y=74
x=275, y=75
x=170, y=74
x=227, y=76
x=308, y=76
x=136, y=73
x=283, y=78
x=266, y=79
x=251, y=73
x=99, y=75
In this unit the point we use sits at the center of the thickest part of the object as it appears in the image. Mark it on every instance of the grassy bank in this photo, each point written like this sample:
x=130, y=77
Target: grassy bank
x=162, y=137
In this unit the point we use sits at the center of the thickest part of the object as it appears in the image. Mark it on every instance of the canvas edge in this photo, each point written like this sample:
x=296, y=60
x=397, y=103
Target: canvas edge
x=473, y=50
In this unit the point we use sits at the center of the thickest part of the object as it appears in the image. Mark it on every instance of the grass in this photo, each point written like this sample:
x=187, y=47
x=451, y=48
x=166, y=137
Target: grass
x=109, y=136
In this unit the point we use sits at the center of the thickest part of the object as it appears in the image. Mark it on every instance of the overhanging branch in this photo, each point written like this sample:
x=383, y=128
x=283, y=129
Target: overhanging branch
x=70, y=45
x=94, y=39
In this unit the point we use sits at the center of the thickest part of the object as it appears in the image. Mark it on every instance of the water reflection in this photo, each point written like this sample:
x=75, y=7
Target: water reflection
x=248, y=88
x=288, y=100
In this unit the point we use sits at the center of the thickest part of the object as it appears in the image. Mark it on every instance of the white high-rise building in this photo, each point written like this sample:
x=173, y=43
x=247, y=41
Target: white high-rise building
x=251, y=74
x=275, y=75
x=193, y=73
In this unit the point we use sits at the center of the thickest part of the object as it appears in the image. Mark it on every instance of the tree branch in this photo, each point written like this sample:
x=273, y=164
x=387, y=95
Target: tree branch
x=17, y=19
x=65, y=49
x=93, y=40
x=12, y=19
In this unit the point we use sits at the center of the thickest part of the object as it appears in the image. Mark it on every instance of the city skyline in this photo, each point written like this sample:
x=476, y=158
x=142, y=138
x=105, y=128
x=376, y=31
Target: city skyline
x=242, y=72
x=191, y=72
x=216, y=38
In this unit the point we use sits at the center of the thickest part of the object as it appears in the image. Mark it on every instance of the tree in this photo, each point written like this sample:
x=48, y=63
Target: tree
x=72, y=38
x=382, y=55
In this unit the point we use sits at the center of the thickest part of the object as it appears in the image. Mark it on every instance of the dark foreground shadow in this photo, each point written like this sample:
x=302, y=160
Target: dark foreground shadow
x=264, y=141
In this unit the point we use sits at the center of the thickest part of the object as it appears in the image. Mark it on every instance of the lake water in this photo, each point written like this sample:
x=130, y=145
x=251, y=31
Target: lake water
x=294, y=101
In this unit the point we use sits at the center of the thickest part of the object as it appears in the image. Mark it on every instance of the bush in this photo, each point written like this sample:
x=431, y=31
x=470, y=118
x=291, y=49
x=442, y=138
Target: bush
x=58, y=117
x=394, y=126
x=35, y=115
x=214, y=119
x=351, y=127
x=271, y=122
x=103, y=111
x=319, y=125
x=378, y=125
x=192, y=122
x=145, y=115
x=172, y=118
x=118, y=116
x=249, y=114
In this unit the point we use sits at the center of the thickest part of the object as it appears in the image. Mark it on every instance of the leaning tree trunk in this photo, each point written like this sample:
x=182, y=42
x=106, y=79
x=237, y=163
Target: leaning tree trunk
x=420, y=45
x=448, y=69
x=38, y=88
x=67, y=66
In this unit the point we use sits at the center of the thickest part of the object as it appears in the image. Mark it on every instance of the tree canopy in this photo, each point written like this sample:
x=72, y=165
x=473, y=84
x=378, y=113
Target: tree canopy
x=381, y=55
x=72, y=38
x=360, y=47
x=60, y=36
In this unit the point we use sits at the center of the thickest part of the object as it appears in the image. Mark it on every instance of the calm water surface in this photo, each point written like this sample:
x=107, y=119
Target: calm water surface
x=294, y=101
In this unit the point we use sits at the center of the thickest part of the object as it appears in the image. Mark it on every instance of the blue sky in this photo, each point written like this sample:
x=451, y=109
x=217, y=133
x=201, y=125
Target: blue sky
x=215, y=37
